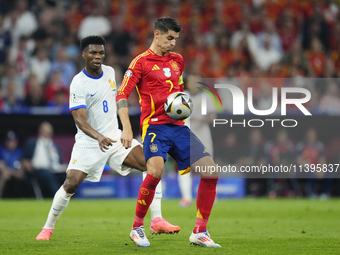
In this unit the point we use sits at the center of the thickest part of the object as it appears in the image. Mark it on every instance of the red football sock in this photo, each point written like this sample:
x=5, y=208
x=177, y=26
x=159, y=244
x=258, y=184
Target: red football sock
x=145, y=197
x=204, y=202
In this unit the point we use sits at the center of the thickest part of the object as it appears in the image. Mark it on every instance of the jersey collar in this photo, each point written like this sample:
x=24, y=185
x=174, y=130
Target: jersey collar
x=93, y=77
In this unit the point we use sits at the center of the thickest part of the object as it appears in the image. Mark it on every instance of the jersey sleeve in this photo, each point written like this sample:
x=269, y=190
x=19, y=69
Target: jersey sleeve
x=77, y=96
x=131, y=79
x=180, y=82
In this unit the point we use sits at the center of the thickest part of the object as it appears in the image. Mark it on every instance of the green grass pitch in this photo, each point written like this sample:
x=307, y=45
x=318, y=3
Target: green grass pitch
x=248, y=226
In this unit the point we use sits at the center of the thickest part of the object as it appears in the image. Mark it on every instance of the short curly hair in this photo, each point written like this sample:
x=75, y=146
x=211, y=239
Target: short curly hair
x=92, y=39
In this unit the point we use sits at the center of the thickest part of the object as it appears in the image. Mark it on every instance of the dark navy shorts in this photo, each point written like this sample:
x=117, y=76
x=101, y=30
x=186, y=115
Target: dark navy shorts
x=178, y=141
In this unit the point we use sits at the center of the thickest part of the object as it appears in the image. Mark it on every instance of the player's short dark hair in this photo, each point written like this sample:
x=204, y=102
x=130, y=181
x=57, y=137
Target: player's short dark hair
x=92, y=39
x=165, y=24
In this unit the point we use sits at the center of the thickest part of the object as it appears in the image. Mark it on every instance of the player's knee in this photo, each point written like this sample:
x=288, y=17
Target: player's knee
x=155, y=166
x=155, y=172
x=206, y=167
x=70, y=185
x=210, y=171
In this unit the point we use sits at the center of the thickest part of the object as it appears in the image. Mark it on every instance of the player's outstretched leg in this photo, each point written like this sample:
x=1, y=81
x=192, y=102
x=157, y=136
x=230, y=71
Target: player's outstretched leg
x=145, y=197
x=204, y=202
x=60, y=202
x=158, y=224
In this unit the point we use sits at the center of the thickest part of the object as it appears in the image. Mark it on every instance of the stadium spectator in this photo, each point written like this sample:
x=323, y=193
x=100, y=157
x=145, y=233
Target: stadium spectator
x=296, y=58
x=316, y=58
x=315, y=27
x=312, y=152
x=95, y=24
x=11, y=102
x=244, y=32
x=335, y=37
x=73, y=17
x=280, y=152
x=47, y=27
x=72, y=47
x=9, y=76
x=288, y=32
x=122, y=41
x=228, y=56
x=5, y=43
x=11, y=174
x=335, y=55
x=264, y=99
x=212, y=36
x=266, y=55
x=21, y=22
x=254, y=155
x=331, y=12
x=19, y=56
x=55, y=84
x=0, y=103
x=59, y=101
x=41, y=159
x=40, y=65
x=330, y=101
x=34, y=96
x=64, y=65
x=229, y=151
x=269, y=30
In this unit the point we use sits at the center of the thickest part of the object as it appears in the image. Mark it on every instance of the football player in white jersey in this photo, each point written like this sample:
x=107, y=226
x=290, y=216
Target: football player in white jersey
x=93, y=107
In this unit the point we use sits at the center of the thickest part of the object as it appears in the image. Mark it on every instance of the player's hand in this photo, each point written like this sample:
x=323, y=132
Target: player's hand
x=105, y=142
x=126, y=138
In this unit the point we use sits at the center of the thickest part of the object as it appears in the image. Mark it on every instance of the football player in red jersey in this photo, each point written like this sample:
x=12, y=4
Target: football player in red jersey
x=156, y=74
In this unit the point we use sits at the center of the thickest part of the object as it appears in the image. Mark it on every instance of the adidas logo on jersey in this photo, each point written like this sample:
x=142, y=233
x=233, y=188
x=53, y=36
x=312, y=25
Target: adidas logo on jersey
x=155, y=67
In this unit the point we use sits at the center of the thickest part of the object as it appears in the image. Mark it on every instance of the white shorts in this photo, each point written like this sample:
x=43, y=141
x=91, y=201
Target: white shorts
x=91, y=160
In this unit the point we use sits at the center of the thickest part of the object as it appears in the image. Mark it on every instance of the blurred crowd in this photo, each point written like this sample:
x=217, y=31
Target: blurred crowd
x=36, y=169
x=39, y=39
x=282, y=149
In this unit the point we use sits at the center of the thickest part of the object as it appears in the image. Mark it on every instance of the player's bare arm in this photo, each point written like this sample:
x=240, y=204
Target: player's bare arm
x=123, y=112
x=79, y=116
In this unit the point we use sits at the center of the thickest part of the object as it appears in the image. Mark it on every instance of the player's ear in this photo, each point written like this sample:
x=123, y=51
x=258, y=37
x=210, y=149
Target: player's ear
x=157, y=33
x=83, y=54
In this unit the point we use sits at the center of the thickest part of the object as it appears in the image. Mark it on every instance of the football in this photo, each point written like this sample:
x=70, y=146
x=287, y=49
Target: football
x=178, y=106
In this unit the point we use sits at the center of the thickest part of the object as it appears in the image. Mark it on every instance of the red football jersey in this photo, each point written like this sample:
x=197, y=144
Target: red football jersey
x=155, y=78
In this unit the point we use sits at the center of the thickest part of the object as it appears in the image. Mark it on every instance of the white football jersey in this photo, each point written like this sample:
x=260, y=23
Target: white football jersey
x=98, y=96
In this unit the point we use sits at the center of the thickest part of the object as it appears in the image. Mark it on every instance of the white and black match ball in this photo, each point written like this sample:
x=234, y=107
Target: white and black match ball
x=178, y=106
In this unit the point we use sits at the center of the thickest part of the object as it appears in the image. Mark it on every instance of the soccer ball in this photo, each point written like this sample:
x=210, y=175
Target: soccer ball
x=178, y=106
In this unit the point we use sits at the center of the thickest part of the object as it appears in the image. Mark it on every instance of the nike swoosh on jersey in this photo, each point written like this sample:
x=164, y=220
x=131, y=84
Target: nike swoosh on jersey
x=92, y=95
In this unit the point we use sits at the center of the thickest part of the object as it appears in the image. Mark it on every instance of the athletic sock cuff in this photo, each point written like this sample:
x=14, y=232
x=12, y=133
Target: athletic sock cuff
x=70, y=194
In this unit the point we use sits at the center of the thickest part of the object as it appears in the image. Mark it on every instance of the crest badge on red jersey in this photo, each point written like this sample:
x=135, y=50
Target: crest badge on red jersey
x=174, y=66
x=167, y=72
